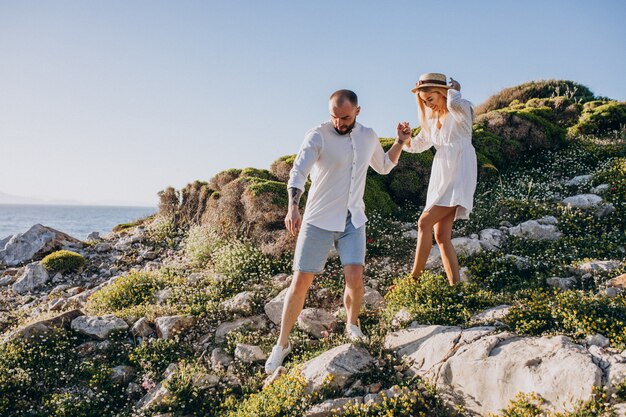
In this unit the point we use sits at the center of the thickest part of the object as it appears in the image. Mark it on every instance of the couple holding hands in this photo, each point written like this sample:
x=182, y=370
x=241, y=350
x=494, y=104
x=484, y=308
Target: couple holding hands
x=337, y=155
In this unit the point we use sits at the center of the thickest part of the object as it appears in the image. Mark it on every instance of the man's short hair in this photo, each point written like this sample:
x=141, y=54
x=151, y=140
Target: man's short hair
x=340, y=96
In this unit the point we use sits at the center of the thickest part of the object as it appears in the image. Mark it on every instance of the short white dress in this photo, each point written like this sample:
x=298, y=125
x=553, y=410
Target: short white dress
x=454, y=171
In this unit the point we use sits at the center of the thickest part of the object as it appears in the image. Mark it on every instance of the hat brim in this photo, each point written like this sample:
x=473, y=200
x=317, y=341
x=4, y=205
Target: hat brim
x=429, y=85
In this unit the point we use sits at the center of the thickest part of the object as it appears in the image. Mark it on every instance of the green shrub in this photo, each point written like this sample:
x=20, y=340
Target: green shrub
x=418, y=400
x=134, y=289
x=495, y=272
x=154, y=355
x=431, y=300
x=63, y=261
x=281, y=167
x=285, y=397
x=190, y=395
x=200, y=245
x=600, y=118
x=535, y=89
x=376, y=198
x=575, y=313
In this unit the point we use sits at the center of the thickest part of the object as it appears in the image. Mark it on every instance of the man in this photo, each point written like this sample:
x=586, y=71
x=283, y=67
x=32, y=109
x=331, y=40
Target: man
x=337, y=155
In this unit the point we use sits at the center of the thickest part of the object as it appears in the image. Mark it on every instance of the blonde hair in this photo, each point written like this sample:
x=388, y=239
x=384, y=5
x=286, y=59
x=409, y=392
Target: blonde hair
x=423, y=115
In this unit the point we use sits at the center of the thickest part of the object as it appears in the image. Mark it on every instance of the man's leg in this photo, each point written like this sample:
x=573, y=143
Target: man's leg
x=443, y=236
x=294, y=302
x=425, y=226
x=353, y=294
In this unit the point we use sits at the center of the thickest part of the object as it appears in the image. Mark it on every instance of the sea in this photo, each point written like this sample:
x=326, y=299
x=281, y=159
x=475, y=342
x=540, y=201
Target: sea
x=76, y=221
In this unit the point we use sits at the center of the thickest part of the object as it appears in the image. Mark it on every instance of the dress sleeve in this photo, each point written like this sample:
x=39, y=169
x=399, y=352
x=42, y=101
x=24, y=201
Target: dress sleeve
x=459, y=108
x=419, y=143
x=307, y=156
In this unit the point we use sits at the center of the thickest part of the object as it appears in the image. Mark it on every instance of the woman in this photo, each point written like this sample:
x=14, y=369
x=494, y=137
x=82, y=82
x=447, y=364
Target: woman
x=446, y=123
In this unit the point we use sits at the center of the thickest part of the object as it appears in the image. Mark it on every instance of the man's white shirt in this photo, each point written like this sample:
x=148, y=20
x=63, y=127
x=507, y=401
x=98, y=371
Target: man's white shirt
x=338, y=167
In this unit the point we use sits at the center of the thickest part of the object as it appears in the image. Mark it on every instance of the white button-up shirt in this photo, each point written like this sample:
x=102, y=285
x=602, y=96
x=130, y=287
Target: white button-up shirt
x=338, y=167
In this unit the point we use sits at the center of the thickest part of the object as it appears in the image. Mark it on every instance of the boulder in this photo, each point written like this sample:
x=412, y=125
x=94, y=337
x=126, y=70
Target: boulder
x=503, y=364
x=35, y=243
x=41, y=327
x=583, y=201
x=249, y=353
x=562, y=283
x=33, y=277
x=534, y=230
x=253, y=323
x=341, y=362
x=241, y=303
x=491, y=315
x=99, y=327
x=169, y=326
x=492, y=239
x=274, y=308
x=316, y=322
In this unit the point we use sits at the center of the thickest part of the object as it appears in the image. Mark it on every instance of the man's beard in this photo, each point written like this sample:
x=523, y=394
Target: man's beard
x=348, y=129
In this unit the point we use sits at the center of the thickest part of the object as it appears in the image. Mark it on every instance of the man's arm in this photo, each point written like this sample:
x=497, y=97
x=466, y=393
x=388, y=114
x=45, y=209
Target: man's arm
x=293, y=219
x=384, y=163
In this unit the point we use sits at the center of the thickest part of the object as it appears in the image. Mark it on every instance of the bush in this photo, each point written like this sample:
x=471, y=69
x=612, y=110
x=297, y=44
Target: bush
x=601, y=118
x=154, y=355
x=243, y=262
x=431, y=300
x=575, y=313
x=418, y=400
x=200, y=245
x=282, y=166
x=535, y=89
x=63, y=261
x=134, y=289
x=284, y=397
x=376, y=198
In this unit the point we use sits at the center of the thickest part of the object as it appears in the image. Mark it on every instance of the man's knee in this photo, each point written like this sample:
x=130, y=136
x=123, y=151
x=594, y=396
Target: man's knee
x=354, y=277
x=301, y=283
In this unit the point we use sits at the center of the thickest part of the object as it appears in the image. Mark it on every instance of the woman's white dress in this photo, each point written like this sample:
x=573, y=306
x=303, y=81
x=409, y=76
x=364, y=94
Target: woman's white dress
x=454, y=170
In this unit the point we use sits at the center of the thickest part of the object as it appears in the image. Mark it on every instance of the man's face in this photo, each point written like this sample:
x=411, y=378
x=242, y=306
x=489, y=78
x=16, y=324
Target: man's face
x=343, y=116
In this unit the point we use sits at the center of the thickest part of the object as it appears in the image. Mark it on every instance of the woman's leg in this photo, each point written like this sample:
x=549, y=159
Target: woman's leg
x=425, y=225
x=443, y=236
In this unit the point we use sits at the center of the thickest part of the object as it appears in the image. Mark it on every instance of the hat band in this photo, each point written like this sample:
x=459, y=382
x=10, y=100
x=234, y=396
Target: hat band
x=420, y=82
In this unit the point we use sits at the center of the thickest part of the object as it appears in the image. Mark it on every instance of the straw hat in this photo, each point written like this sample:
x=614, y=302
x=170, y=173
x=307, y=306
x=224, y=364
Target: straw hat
x=431, y=79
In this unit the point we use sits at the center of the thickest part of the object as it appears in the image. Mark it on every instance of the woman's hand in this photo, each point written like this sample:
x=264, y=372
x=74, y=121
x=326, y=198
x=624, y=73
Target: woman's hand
x=454, y=84
x=403, y=131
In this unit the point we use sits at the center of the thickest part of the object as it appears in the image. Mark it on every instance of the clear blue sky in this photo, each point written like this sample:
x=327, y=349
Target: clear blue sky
x=115, y=100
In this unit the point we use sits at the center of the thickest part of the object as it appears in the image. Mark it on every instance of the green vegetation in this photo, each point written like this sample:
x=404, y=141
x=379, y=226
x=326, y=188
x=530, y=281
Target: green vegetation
x=63, y=261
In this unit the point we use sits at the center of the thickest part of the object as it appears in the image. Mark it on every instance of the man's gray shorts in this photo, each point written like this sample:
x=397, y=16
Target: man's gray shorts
x=314, y=245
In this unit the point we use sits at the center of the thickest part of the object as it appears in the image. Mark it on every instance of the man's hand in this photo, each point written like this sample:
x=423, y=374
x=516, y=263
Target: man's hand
x=293, y=220
x=454, y=84
x=404, y=132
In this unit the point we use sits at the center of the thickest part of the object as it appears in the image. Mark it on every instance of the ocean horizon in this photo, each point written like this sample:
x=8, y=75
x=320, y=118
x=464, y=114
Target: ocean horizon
x=75, y=220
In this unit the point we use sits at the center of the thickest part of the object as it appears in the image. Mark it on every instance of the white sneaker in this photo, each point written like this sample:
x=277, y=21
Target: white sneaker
x=354, y=333
x=276, y=358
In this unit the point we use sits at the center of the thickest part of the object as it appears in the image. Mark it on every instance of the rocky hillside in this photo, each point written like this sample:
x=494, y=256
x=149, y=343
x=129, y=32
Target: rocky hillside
x=174, y=315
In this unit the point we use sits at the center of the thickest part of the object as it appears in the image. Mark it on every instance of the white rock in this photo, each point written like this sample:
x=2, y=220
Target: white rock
x=168, y=326
x=548, y=220
x=583, y=201
x=598, y=266
x=274, y=308
x=466, y=246
x=579, y=180
x=490, y=315
x=562, y=283
x=597, y=340
x=98, y=326
x=492, y=239
x=341, y=362
x=373, y=299
x=281, y=281
x=241, y=303
x=249, y=353
x=220, y=359
x=37, y=241
x=103, y=247
x=253, y=323
x=455, y=359
x=142, y=328
x=600, y=189
x=533, y=230
x=33, y=277
x=316, y=322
